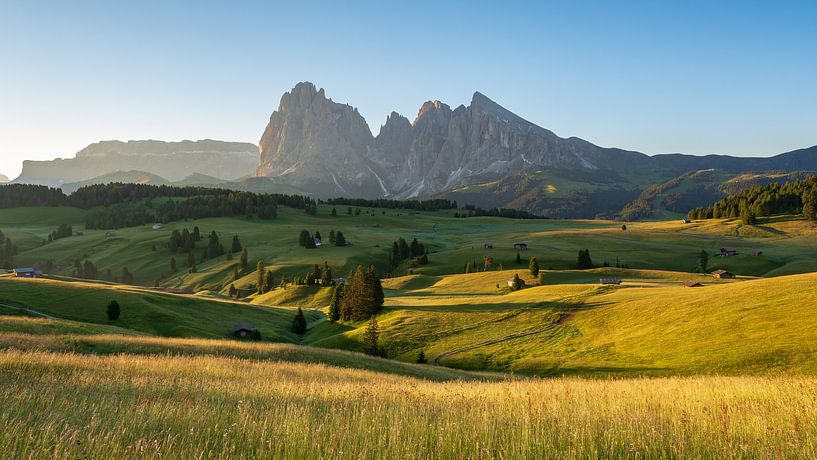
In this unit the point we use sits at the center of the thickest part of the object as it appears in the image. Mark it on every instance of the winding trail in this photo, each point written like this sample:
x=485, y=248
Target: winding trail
x=27, y=310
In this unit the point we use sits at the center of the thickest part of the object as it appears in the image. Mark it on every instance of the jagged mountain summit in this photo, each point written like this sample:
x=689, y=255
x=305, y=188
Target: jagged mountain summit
x=481, y=154
x=326, y=148
x=171, y=160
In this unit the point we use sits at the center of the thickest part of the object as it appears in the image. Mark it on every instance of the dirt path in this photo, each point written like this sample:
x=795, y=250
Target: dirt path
x=27, y=310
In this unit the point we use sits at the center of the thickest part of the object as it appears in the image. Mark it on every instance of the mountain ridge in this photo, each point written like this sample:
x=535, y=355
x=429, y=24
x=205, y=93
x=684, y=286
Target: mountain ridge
x=327, y=149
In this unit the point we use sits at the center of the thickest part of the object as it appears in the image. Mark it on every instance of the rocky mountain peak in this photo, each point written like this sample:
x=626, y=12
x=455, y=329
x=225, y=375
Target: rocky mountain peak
x=436, y=109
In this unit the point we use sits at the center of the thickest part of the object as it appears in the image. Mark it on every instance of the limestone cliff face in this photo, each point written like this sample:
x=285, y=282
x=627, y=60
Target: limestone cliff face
x=326, y=148
x=170, y=160
x=320, y=146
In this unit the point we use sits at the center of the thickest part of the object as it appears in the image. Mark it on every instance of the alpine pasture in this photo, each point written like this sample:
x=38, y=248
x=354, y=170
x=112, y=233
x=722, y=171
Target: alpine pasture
x=565, y=367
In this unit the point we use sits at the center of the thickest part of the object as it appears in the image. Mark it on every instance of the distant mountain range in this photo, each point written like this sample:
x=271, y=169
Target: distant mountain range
x=171, y=160
x=481, y=154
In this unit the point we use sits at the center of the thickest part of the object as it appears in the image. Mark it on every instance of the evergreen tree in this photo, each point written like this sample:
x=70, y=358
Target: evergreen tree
x=374, y=291
x=517, y=282
x=196, y=235
x=414, y=249
x=89, y=270
x=423, y=259
x=703, y=262
x=304, y=237
x=194, y=268
x=261, y=277
x=269, y=284
x=584, y=261
x=331, y=237
x=233, y=291
x=173, y=267
x=518, y=258
x=175, y=241
x=236, y=245
x=244, y=258
x=810, y=205
x=334, y=306
x=370, y=338
x=403, y=248
x=340, y=240
x=299, y=322
x=421, y=357
x=533, y=266
x=542, y=279
x=113, y=310
x=334, y=212
x=127, y=276
x=191, y=260
x=467, y=268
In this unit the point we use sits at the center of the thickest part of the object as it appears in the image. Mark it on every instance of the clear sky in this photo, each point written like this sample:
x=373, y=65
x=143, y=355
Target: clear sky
x=655, y=76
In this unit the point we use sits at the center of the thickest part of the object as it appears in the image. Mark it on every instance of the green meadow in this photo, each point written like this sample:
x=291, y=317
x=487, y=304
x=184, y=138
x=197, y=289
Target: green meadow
x=565, y=367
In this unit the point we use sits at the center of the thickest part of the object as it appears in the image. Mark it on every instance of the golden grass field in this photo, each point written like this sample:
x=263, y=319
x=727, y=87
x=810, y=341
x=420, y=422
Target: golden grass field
x=64, y=405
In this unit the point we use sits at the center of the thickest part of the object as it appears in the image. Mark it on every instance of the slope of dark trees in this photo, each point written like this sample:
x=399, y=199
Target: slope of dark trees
x=762, y=201
x=126, y=205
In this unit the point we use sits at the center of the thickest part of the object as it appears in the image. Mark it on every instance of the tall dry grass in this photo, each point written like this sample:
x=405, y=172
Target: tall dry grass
x=65, y=405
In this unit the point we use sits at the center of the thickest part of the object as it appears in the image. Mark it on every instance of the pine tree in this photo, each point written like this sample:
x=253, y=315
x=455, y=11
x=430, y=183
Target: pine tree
x=113, y=310
x=191, y=260
x=236, y=246
x=810, y=205
x=331, y=237
x=518, y=258
x=173, y=267
x=533, y=266
x=374, y=291
x=233, y=291
x=703, y=262
x=304, y=237
x=244, y=258
x=584, y=261
x=370, y=338
x=421, y=357
x=299, y=322
x=340, y=240
x=517, y=283
x=269, y=284
x=261, y=277
x=196, y=235
x=334, y=212
x=334, y=306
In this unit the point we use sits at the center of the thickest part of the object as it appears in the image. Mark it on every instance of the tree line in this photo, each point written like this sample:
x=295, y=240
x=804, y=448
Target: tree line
x=794, y=197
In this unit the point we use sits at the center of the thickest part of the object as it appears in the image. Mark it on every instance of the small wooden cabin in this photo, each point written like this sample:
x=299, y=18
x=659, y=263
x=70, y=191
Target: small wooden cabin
x=488, y=246
x=27, y=273
x=691, y=284
x=615, y=281
x=243, y=330
x=728, y=252
x=723, y=274
x=521, y=246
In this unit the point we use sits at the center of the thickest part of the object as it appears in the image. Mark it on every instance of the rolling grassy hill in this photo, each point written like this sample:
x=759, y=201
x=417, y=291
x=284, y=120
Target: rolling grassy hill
x=650, y=325
x=70, y=390
x=143, y=310
x=452, y=242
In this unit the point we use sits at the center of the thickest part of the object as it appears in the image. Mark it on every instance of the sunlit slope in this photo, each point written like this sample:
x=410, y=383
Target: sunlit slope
x=142, y=309
x=650, y=325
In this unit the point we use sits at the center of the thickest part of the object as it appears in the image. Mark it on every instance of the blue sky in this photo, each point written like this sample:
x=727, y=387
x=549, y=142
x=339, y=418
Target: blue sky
x=659, y=76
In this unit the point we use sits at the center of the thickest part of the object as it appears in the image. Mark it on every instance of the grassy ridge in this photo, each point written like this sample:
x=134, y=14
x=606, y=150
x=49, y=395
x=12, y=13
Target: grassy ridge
x=144, y=310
